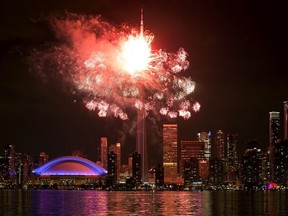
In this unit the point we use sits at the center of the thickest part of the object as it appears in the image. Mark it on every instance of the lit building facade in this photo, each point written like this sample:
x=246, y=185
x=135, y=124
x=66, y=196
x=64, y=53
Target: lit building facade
x=251, y=165
x=191, y=172
x=170, y=151
x=281, y=163
x=220, y=145
x=193, y=162
x=285, y=120
x=217, y=171
x=117, y=150
x=136, y=168
x=104, y=153
x=274, y=138
x=206, y=138
x=232, y=158
x=192, y=149
x=203, y=169
x=111, y=178
x=159, y=175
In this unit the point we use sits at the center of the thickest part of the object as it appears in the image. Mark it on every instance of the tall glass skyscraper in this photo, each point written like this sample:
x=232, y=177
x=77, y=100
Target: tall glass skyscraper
x=104, y=153
x=206, y=138
x=274, y=138
x=170, y=148
x=285, y=120
x=220, y=145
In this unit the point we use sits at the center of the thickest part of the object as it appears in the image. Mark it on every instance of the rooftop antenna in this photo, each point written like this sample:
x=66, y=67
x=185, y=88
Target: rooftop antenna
x=141, y=22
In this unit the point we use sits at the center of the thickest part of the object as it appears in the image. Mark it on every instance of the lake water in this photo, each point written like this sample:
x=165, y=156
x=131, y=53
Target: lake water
x=92, y=202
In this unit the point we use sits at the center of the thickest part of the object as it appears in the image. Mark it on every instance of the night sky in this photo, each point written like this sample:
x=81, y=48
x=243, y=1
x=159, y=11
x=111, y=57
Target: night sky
x=237, y=53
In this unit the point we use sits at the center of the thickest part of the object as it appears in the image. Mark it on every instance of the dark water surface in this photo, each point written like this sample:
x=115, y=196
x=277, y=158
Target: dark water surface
x=70, y=202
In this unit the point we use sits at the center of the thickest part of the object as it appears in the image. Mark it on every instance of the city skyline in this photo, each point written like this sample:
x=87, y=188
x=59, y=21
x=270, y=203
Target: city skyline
x=238, y=65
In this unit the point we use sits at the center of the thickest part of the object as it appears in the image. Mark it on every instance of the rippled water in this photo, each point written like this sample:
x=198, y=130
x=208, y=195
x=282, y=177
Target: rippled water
x=70, y=202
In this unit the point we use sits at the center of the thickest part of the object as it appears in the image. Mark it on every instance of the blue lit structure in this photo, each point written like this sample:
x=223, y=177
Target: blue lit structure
x=70, y=166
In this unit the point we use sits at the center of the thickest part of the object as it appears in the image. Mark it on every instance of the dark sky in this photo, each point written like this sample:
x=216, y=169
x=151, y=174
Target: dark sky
x=237, y=53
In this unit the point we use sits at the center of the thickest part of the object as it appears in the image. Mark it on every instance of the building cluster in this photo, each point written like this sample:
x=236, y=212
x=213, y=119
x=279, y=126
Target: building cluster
x=189, y=163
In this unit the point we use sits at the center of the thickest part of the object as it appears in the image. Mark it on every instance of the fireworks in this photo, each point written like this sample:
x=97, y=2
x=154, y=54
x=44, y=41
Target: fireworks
x=116, y=69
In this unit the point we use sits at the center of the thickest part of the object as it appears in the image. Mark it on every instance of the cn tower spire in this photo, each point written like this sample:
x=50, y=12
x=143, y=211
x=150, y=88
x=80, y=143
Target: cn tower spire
x=141, y=22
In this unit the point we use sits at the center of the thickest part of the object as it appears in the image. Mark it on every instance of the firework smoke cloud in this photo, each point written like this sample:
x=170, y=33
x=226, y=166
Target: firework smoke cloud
x=115, y=69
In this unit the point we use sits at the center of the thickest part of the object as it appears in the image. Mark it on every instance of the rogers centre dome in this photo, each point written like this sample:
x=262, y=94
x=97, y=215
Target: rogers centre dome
x=70, y=166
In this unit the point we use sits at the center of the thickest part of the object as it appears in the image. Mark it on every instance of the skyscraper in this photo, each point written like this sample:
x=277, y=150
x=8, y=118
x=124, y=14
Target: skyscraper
x=232, y=158
x=220, y=145
x=117, y=150
x=285, y=120
x=206, y=138
x=192, y=149
x=170, y=154
x=112, y=169
x=136, y=168
x=232, y=141
x=104, y=153
x=274, y=138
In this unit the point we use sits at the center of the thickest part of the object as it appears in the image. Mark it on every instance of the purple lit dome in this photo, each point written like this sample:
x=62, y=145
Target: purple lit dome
x=70, y=165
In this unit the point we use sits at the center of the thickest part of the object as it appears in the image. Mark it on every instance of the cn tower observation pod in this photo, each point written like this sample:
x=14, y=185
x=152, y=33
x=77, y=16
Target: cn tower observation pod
x=70, y=166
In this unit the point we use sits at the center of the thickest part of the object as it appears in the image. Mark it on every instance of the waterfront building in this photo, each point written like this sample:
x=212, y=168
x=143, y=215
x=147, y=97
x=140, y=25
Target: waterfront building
x=116, y=148
x=232, y=158
x=9, y=154
x=274, y=138
x=265, y=167
x=111, y=177
x=217, y=171
x=136, y=168
x=191, y=149
x=220, y=145
x=191, y=172
x=67, y=171
x=281, y=163
x=159, y=175
x=203, y=169
x=285, y=120
x=170, y=152
x=104, y=153
x=251, y=165
x=206, y=138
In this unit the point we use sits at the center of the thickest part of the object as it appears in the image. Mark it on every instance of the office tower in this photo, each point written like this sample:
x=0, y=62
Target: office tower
x=265, y=167
x=112, y=169
x=220, y=145
x=251, y=165
x=232, y=159
x=159, y=175
x=203, y=169
x=281, y=163
x=9, y=154
x=104, y=153
x=285, y=120
x=191, y=149
x=274, y=138
x=117, y=150
x=170, y=151
x=136, y=168
x=206, y=138
x=232, y=142
x=191, y=172
x=217, y=171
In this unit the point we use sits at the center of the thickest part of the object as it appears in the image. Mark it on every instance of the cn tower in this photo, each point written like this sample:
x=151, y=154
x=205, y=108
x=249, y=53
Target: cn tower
x=141, y=144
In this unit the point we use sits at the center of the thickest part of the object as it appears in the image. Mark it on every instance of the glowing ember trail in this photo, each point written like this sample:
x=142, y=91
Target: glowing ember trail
x=115, y=68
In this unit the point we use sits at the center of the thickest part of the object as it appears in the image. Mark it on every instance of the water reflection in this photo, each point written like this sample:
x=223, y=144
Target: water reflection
x=70, y=202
